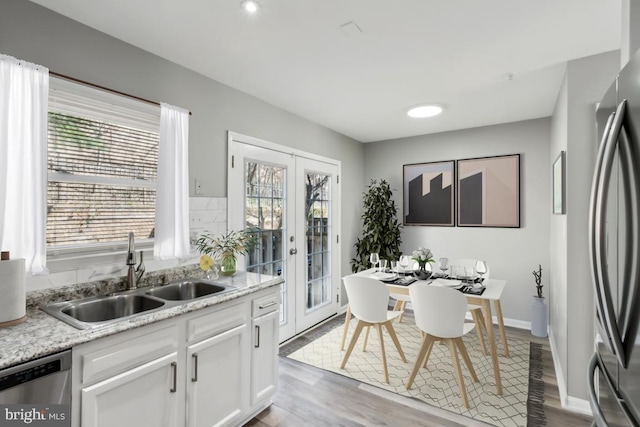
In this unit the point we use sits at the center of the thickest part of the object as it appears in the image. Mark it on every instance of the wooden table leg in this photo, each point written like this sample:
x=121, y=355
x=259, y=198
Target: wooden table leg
x=347, y=318
x=486, y=308
x=503, y=334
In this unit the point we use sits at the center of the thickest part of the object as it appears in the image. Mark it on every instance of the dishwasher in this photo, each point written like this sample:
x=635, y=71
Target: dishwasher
x=41, y=381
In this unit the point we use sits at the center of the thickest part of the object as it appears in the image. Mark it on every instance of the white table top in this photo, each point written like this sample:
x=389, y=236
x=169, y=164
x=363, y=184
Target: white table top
x=493, y=291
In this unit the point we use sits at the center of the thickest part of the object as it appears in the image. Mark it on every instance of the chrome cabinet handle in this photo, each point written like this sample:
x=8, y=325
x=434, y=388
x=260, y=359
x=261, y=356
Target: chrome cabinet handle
x=257, y=344
x=174, y=368
x=602, y=192
x=270, y=304
x=194, y=377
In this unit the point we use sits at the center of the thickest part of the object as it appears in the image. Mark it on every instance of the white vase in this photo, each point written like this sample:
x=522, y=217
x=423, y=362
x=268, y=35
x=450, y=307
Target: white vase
x=539, y=316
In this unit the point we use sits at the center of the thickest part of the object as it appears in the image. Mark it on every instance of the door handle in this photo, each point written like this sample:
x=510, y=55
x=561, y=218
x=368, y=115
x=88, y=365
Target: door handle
x=194, y=377
x=607, y=316
x=598, y=416
x=174, y=368
x=293, y=251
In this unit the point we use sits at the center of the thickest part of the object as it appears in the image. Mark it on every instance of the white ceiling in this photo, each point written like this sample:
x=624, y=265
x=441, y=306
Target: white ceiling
x=294, y=54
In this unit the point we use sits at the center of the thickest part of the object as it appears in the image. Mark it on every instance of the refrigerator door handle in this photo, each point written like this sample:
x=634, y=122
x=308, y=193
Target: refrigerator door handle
x=631, y=275
x=598, y=416
x=594, y=230
x=603, y=291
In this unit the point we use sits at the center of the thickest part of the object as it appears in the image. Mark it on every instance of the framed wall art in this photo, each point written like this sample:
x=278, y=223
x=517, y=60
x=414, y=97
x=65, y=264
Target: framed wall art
x=429, y=194
x=558, y=185
x=489, y=192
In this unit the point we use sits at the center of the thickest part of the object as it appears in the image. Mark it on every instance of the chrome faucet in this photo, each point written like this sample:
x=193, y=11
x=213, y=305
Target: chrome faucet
x=134, y=274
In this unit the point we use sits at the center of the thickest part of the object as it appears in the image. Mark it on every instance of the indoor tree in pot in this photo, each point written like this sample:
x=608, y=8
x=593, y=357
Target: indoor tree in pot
x=380, y=226
x=539, y=310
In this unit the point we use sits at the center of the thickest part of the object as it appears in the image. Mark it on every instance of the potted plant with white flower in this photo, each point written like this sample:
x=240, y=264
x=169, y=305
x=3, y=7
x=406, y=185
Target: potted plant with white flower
x=423, y=257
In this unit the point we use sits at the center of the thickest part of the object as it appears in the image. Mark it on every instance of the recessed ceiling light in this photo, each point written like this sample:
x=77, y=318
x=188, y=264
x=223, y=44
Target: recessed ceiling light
x=424, y=111
x=250, y=6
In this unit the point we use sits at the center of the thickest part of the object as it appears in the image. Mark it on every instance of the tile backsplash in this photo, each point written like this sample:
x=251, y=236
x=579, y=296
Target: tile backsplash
x=205, y=214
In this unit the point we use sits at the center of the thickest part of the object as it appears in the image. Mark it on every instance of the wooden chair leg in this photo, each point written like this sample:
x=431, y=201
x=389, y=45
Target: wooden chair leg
x=366, y=339
x=466, y=358
x=352, y=343
x=478, y=319
x=394, y=337
x=403, y=305
x=347, y=319
x=426, y=356
x=384, y=355
x=416, y=366
x=458, y=371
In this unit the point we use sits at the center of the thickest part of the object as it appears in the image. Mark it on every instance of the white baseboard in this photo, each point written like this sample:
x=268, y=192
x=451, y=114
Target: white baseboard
x=569, y=403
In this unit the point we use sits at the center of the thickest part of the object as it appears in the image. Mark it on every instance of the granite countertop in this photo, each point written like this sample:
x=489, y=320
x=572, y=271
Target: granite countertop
x=42, y=334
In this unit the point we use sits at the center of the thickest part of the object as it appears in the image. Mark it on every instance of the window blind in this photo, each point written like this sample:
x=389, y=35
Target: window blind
x=102, y=167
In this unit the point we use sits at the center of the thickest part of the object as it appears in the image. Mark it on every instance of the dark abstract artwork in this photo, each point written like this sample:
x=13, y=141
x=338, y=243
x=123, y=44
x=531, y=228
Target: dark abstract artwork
x=489, y=192
x=429, y=194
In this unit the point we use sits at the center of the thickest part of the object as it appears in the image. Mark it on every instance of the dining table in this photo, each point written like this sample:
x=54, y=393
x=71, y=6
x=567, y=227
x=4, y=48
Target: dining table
x=493, y=289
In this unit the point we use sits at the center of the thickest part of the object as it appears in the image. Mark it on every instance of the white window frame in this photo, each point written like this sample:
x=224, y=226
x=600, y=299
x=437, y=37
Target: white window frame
x=81, y=100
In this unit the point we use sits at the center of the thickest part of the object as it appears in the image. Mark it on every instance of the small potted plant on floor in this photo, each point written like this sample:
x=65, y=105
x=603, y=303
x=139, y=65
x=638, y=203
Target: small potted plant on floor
x=539, y=309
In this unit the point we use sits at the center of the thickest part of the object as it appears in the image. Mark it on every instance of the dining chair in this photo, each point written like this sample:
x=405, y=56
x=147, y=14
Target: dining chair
x=369, y=303
x=474, y=309
x=440, y=314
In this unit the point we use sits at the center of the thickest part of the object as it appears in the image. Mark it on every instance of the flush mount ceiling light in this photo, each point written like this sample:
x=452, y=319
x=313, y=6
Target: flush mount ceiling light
x=250, y=6
x=424, y=111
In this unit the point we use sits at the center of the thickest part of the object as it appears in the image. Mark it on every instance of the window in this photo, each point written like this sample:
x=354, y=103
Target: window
x=102, y=163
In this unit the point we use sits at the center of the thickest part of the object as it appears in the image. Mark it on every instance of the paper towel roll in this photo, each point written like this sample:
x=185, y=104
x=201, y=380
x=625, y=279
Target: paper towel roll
x=12, y=292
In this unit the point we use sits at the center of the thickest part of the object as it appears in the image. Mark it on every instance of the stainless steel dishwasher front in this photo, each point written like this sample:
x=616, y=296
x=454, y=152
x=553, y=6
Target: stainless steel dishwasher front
x=41, y=381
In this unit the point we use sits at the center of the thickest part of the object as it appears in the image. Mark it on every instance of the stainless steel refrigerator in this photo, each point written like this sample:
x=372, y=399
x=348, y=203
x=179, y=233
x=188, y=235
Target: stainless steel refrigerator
x=614, y=249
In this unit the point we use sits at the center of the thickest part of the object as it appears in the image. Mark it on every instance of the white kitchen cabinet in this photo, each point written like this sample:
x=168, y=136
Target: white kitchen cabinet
x=218, y=377
x=216, y=366
x=143, y=396
x=264, y=358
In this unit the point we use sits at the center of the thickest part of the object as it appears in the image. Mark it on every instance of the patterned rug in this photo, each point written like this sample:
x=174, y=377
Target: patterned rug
x=435, y=385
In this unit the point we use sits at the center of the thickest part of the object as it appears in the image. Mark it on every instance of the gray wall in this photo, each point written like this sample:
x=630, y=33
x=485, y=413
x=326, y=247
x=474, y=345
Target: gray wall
x=512, y=254
x=573, y=130
x=33, y=33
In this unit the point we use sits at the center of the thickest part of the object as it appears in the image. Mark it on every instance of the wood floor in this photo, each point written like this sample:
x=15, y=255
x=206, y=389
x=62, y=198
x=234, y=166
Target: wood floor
x=309, y=396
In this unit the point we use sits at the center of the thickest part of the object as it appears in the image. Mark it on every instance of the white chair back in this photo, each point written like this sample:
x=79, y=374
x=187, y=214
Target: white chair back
x=368, y=298
x=438, y=311
x=460, y=267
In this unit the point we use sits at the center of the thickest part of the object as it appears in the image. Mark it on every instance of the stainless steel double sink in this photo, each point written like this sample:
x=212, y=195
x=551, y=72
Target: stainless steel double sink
x=98, y=311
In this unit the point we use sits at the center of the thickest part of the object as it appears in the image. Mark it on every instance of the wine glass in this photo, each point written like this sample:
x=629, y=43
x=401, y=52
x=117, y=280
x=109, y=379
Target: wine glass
x=404, y=262
x=481, y=269
x=375, y=259
x=444, y=265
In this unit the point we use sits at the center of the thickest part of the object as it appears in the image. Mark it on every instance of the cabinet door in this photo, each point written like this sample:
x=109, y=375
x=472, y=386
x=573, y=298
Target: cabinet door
x=218, y=381
x=264, y=361
x=143, y=396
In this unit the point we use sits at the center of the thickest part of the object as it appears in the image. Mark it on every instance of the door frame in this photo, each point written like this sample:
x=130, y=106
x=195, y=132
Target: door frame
x=232, y=212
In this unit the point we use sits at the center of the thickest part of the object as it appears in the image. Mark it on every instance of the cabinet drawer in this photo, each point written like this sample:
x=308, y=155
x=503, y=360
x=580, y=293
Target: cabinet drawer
x=211, y=324
x=113, y=355
x=265, y=305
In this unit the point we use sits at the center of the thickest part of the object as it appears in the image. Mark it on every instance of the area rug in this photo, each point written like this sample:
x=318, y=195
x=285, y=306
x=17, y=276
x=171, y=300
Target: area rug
x=435, y=385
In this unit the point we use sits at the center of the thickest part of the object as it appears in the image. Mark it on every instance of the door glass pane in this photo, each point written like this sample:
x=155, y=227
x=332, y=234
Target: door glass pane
x=318, y=225
x=264, y=207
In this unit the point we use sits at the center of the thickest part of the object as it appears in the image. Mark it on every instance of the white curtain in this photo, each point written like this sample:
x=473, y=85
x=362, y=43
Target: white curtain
x=24, y=91
x=172, y=198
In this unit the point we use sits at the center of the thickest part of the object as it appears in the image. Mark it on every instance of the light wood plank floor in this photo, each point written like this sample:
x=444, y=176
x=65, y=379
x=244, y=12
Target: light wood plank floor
x=309, y=396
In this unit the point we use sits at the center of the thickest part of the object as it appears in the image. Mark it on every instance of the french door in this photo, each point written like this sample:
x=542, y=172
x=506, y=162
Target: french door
x=289, y=200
